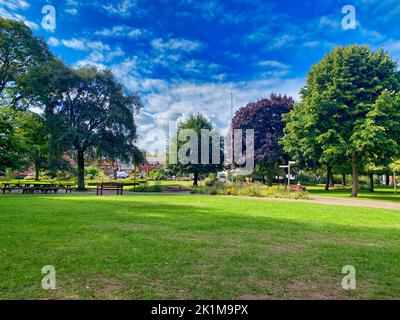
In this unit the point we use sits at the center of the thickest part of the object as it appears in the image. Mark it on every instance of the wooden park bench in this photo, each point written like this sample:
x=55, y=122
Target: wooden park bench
x=110, y=186
x=298, y=188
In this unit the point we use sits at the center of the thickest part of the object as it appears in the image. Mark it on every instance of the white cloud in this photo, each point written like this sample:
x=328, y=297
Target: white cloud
x=16, y=4
x=54, y=42
x=272, y=64
x=72, y=11
x=121, y=31
x=176, y=44
x=327, y=22
x=7, y=11
x=311, y=44
x=177, y=100
x=79, y=44
x=122, y=9
x=74, y=44
x=74, y=3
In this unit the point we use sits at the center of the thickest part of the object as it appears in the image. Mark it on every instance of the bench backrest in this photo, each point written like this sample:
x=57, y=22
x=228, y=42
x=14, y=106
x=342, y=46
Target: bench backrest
x=111, y=185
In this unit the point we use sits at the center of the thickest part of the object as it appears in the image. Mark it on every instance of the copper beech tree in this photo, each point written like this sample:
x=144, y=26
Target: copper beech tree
x=265, y=117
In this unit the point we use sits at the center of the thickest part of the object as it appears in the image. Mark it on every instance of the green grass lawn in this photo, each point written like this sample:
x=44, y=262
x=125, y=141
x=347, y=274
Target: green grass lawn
x=380, y=194
x=192, y=247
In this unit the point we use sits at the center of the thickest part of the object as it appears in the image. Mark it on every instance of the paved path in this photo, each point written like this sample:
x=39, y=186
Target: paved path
x=327, y=201
x=338, y=202
x=355, y=203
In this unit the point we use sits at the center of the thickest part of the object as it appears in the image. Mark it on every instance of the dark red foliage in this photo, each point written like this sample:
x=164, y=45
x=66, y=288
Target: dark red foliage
x=265, y=117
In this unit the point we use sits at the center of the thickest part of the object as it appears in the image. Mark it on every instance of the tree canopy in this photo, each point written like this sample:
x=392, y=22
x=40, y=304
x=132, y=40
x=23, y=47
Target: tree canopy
x=23, y=139
x=337, y=118
x=87, y=111
x=265, y=117
x=19, y=51
x=197, y=165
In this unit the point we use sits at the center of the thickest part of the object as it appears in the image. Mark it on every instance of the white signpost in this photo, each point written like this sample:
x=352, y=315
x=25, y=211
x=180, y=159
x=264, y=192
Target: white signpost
x=290, y=164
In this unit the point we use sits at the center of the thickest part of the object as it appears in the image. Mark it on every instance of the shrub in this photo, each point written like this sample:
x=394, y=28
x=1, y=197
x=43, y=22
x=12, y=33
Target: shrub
x=306, y=179
x=247, y=189
x=209, y=182
x=149, y=188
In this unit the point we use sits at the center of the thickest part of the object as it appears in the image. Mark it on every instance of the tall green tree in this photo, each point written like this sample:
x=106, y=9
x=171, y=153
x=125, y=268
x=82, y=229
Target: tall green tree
x=197, y=165
x=340, y=92
x=304, y=144
x=19, y=51
x=10, y=145
x=34, y=137
x=23, y=139
x=87, y=111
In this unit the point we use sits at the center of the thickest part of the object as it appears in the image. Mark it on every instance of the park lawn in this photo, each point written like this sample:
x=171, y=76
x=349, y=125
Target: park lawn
x=194, y=247
x=380, y=193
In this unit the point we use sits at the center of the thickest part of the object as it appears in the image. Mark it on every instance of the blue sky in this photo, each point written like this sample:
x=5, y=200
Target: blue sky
x=186, y=56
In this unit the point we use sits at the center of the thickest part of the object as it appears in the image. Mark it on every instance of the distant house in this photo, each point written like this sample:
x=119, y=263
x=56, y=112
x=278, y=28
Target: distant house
x=108, y=167
x=151, y=163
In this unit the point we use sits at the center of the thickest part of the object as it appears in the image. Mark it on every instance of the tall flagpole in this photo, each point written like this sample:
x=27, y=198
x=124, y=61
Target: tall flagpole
x=232, y=158
x=231, y=105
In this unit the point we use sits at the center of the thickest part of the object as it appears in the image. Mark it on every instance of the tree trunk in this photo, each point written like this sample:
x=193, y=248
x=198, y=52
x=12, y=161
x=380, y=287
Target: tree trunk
x=328, y=177
x=343, y=179
x=371, y=182
x=195, y=179
x=270, y=174
x=331, y=184
x=388, y=180
x=354, y=165
x=37, y=173
x=81, y=171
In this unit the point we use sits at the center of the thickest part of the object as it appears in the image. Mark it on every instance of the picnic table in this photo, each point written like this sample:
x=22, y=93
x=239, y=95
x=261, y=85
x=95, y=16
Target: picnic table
x=10, y=187
x=29, y=188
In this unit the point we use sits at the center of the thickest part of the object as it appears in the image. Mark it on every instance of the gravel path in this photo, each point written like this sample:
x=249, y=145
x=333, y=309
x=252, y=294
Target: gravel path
x=355, y=203
x=330, y=201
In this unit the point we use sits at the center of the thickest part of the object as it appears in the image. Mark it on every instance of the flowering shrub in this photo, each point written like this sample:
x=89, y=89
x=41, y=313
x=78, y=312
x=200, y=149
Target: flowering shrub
x=247, y=189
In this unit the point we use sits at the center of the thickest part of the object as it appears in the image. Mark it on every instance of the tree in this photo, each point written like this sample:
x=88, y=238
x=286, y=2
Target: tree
x=24, y=139
x=86, y=111
x=19, y=51
x=265, y=117
x=34, y=138
x=340, y=92
x=10, y=146
x=197, y=123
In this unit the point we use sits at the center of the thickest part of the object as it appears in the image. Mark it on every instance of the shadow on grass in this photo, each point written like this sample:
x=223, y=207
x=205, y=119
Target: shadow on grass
x=209, y=248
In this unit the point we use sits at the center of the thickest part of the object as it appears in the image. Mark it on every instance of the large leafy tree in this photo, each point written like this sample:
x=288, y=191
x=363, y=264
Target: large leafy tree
x=307, y=146
x=23, y=139
x=331, y=123
x=87, y=111
x=34, y=137
x=19, y=51
x=265, y=117
x=197, y=123
x=10, y=145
